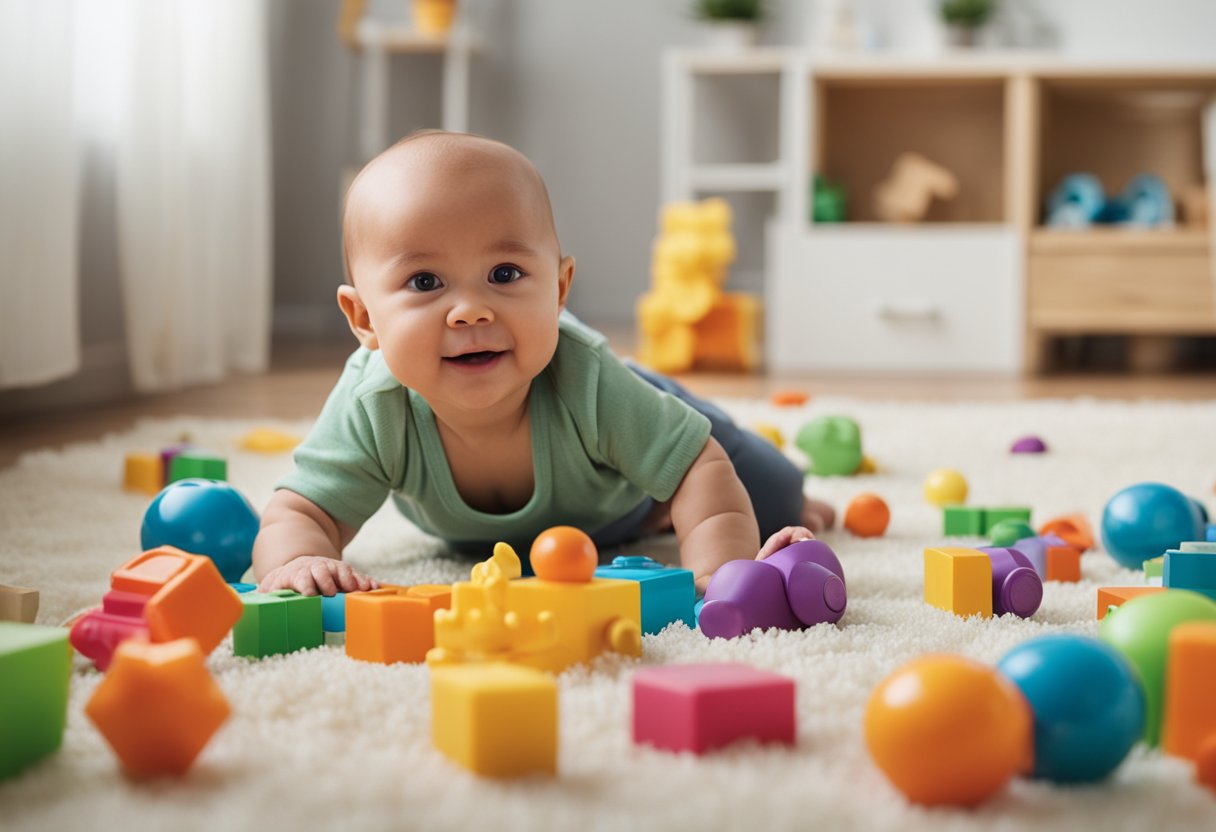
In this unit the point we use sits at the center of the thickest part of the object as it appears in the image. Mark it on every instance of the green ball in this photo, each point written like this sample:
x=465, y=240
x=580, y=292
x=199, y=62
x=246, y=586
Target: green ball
x=1140, y=630
x=1008, y=532
x=832, y=444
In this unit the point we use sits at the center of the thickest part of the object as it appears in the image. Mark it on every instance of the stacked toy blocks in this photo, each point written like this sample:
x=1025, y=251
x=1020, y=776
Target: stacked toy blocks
x=35, y=665
x=393, y=623
x=276, y=622
x=157, y=706
x=975, y=521
x=983, y=582
x=700, y=707
x=163, y=594
x=667, y=593
x=149, y=472
x=686, y=319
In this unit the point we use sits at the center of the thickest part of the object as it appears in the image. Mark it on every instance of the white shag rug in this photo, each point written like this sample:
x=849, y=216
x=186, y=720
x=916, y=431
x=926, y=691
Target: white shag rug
x=317, y=740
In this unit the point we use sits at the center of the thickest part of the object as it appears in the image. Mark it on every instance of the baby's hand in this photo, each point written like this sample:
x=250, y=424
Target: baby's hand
x=783, y=538
x=311, y=575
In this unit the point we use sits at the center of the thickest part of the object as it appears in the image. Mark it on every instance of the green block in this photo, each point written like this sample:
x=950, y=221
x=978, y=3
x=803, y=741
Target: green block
x=962, y=520
x=1197, y=546
x=276, y=622
x=992, y=516
x=1154, y=567
x=197, y=464
x=1008, y=532
x=35, y=665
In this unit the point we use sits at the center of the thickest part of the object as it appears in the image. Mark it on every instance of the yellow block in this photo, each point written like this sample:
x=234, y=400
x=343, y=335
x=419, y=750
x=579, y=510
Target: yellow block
x=495, y=719
x=143, y=472
x=959, y=581
x=602, y=614
x=268, y=441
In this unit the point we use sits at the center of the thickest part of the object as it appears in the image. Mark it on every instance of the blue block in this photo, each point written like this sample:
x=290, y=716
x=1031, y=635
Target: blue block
x=668, y=593
x=241, y=589
x=1211, y=535
x=333, y=613
x=1190, y=570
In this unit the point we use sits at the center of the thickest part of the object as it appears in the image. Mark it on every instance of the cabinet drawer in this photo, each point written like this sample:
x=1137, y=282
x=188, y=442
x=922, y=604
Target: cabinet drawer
x=1121, y=291
x=931, y=299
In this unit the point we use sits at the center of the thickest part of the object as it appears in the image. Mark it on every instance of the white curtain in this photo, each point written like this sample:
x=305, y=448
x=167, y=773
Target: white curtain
x=39, y=194
x=174, y=95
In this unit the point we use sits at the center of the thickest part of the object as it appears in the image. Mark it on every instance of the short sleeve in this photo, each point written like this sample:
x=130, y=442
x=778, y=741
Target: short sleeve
x=341, y=465
x=650, y=436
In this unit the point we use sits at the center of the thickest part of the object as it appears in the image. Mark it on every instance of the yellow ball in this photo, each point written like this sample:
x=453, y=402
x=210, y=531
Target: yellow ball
x=945, y=487
x=770, y=432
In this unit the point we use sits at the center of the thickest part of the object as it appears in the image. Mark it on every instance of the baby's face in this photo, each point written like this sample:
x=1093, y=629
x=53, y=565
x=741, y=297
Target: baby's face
x=457, y=264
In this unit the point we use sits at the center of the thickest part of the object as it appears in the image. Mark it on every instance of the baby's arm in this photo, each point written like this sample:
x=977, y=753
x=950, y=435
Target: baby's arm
x=300, y=547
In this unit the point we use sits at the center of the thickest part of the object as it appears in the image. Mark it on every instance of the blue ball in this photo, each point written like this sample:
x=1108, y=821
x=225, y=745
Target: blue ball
x=1144, y=520
x=203, y=517
x=1088, y=705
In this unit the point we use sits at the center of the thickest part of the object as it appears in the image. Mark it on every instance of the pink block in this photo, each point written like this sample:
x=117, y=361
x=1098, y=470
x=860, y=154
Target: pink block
x=699, y=707
x=97, y=633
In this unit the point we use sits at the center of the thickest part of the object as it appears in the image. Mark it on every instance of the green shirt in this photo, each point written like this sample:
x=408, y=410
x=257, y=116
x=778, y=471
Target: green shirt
x=603, y=439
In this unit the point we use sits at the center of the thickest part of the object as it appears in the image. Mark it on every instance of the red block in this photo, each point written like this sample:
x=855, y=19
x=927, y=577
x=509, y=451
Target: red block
x=97, y=633
x=699, y=707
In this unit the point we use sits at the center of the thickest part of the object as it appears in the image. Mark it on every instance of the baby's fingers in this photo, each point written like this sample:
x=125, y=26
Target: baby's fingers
x=351, y=581
x=322, y=578
x=783, y=538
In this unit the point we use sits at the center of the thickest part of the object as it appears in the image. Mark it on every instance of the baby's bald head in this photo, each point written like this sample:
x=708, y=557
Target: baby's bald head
x=438, y=166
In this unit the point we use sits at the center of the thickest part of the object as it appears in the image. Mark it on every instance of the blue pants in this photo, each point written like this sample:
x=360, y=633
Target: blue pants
x=773, y=483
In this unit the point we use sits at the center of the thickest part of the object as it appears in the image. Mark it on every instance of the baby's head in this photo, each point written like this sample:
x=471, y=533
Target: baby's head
x=454, y=268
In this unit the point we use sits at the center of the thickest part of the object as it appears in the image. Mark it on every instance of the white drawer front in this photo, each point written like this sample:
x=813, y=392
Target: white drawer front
x=893, y=299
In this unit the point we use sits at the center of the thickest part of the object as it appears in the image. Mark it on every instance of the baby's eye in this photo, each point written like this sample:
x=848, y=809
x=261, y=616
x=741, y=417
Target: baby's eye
x=424, y=282
x=505, y=274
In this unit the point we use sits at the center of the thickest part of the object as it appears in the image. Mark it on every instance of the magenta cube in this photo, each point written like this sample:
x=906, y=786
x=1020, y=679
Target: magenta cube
x=699, y=707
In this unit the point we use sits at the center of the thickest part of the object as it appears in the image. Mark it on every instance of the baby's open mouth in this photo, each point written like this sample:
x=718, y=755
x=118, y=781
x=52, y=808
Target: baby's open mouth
x=474, y=359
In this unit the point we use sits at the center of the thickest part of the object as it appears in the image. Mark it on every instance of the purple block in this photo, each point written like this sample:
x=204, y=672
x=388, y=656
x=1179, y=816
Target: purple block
x=1016, y=587
x=166, y=459
x=1029, y=445
x=1035, y=550
x=796, y=587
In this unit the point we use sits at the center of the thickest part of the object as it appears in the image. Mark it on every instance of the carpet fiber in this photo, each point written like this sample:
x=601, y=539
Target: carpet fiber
x=317, y=740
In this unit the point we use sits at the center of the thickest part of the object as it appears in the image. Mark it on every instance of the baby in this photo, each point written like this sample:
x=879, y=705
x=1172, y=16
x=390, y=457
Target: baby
x=486, y=411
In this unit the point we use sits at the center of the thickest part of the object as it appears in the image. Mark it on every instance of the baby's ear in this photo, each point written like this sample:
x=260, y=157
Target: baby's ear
x=565, y=276
x=356, y=316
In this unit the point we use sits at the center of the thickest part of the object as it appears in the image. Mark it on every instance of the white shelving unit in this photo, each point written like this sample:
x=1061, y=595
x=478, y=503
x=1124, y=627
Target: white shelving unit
x=978, y=287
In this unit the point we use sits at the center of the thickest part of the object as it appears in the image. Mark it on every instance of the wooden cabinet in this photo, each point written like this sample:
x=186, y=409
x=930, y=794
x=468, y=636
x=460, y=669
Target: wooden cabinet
x=981, y=284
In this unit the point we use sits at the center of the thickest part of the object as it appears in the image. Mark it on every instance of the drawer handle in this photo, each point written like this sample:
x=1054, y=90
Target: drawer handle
x=909, y=311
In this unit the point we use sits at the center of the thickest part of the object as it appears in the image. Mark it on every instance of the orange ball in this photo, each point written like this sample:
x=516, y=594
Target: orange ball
x=867, y=515
x=949, y=730
x=564, y=553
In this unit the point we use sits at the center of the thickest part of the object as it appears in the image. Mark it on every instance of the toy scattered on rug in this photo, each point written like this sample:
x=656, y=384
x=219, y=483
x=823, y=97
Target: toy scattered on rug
x=794, y=588
x=832, y=446
x=1080, y=201
x=1028, y=445
x=867, y=515
x=18, y=603
x=35, y=666
x=983, y=582
x=945, y=487
x=686, y=320
x=770, y=432
x=393, y=623
x=268, y=441
x=1142, y=521
x=281, y=621
x=908, y=192
x=790, y=397
x=205, y=517
x=149, y=473
x=668, y=592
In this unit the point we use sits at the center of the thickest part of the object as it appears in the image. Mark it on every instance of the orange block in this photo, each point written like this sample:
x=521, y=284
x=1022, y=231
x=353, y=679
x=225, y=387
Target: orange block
x=1063, y=563
x=157, y=706
x=1117, y=596
x=394, y=623
x=728, y=337
x=1205, y=766
x=1073, y=529
x=1190, y=682
x=789, y=397
x=189, y=597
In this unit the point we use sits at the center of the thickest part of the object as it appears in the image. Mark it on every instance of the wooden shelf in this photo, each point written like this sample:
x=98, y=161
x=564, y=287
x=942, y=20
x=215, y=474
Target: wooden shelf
x=1116, y=240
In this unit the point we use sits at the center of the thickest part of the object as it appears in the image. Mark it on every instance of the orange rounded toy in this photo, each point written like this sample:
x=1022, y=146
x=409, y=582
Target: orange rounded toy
x=948, y=730
x=564, y=553
x=867, y=515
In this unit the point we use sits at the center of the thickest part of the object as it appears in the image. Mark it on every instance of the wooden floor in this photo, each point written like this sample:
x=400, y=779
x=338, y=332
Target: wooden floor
x=302, y=375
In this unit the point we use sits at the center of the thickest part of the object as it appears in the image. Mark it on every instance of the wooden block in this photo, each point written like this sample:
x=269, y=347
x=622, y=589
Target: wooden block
x=1190, y=684
x=959, y=580
x=1117, y=596
x=18, y=603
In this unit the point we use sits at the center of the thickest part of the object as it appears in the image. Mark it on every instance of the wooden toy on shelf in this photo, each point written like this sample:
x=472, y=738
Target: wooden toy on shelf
x=914, y=182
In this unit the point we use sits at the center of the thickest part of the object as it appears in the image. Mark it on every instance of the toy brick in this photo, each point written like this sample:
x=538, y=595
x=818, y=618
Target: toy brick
x=197, y=464
x=1210, y=535
x=166, y=458
x=143, y=472
x=962, y=520
x=157, y=706
x=667, y=593
x=1198, y=546
x=495, y=719
x=1205, y=764
x=1190, y=682
x=594, y=616
x=394, y=623
x=700, y=707
x=1117, y=596
x=992, y=516
x=333, y=613
x=1074, y=529
x=1190, y=570
x=18, y=603
x=194, y=601
x=262, y=627
x=97, y=633
x=1063, y=563
x=303, y=619
x=35, y=666
x=1153, y=569
x=959, y=580
x=1035, y=550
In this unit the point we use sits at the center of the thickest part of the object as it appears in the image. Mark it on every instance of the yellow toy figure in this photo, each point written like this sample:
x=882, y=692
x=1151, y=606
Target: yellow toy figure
x=686, y=319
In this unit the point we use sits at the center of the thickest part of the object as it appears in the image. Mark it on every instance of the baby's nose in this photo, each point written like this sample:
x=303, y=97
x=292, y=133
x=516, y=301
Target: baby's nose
x=469, y=311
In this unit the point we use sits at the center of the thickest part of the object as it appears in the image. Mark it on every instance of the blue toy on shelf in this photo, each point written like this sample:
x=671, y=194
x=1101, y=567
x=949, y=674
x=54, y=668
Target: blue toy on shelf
x=1080, y=201
x=668, y=593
